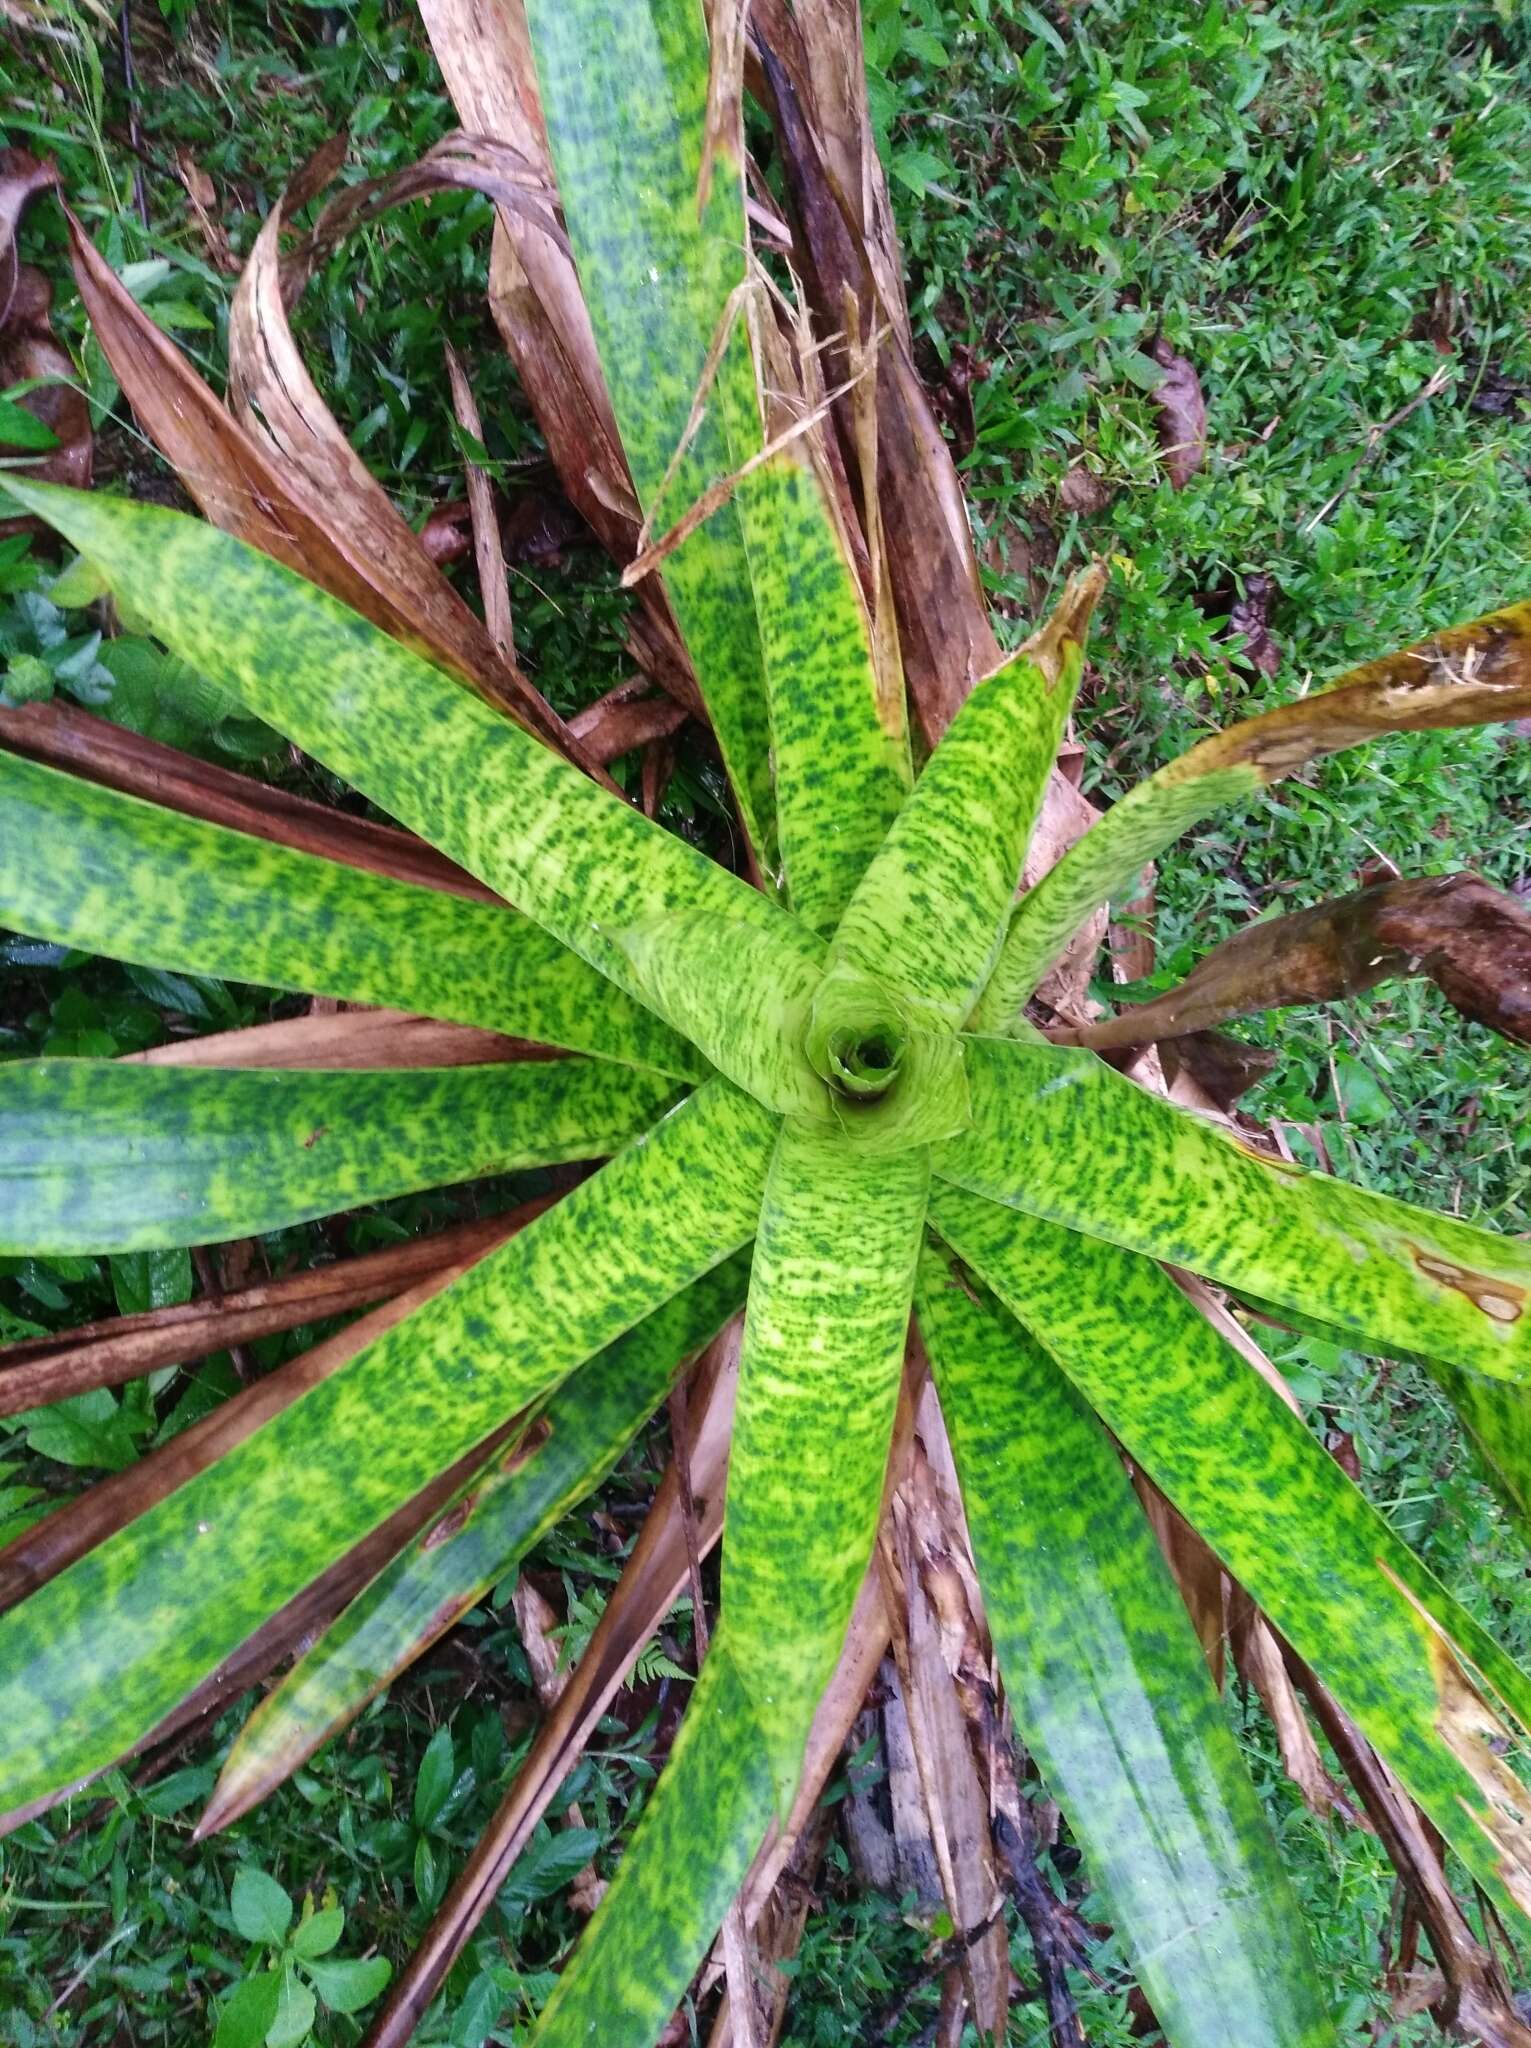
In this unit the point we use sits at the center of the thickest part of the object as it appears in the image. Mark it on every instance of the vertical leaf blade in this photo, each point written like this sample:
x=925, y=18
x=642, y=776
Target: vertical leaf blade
x=818, y=1383
x=1110, y=1690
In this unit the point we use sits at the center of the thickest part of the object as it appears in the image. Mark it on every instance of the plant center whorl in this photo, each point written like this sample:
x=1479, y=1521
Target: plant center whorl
x=857, y=1036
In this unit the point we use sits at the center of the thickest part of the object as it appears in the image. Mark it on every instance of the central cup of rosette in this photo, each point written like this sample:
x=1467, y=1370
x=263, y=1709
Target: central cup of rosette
x=893, y=1079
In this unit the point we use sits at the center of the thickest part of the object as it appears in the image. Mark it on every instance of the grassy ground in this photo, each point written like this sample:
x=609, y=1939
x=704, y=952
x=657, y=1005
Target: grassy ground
x=1321, y=209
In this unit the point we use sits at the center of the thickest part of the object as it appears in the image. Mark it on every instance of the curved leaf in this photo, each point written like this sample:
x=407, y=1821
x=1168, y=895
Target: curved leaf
x=676, y=1878
x=1467, y=675
x=1432, y=1691
x=818, y=1384
x=100, y=1156
x=84, y=866
x=523, y=1491
x=102, y=1652
x=1057, y=1133
x=1110, y=1690
x=928, y=916
x=591, y=870
x=1495, y=1413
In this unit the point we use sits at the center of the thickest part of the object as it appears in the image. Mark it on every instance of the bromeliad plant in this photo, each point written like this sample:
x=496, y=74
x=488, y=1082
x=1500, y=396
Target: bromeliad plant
x=818, y=1098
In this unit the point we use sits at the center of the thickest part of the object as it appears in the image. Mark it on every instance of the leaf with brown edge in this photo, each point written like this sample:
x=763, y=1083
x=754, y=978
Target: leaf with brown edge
x=63, y=736
x=1472, y=940
x=1181, y=414
x=347, y=1039
x=1475, y=674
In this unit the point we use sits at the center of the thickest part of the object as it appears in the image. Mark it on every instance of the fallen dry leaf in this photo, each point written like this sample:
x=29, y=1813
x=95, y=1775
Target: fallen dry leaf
x=1182, y=415
x=1249, y=616
x=1084, y=492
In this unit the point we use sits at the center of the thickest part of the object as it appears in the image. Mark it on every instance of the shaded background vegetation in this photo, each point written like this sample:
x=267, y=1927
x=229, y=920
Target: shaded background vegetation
x=1325, y=211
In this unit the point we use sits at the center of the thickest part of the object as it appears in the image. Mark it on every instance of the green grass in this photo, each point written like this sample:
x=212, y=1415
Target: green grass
x=1305, y=202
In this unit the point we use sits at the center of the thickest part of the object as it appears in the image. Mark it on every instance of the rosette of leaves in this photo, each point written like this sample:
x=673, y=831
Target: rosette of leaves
x=817, y=1098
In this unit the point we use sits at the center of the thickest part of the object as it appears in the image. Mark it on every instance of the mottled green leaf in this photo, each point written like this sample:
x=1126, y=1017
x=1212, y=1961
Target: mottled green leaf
x=623, y=86
x=674, y=1883
x=87, y=867
x=96, y=1156
x=1111, y=1692
x=1495, y=1413
x=1468, y=675
x=839, y=744
x=930, y=912
x=1432, y=1691
x=590, y=869
x=1057, y=1133
x=525, y=1490
x=97, y=1656
x=764, y=590
x=818, y=1382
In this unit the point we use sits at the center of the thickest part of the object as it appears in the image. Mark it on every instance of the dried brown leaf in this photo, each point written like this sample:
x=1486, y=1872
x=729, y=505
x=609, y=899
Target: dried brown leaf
x=628, y=716
x=347, y=1039
x=494, y=590
x=29, y=350
x=485, y=58
x=1249, y=616
x=1479, y=1999
x=44, y=1550
x=63, y=736
x=105, y=1354
x=280, y=406
x=202, y=197
x=1472, y=940
x=1083, y=492
x=1182, y=415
